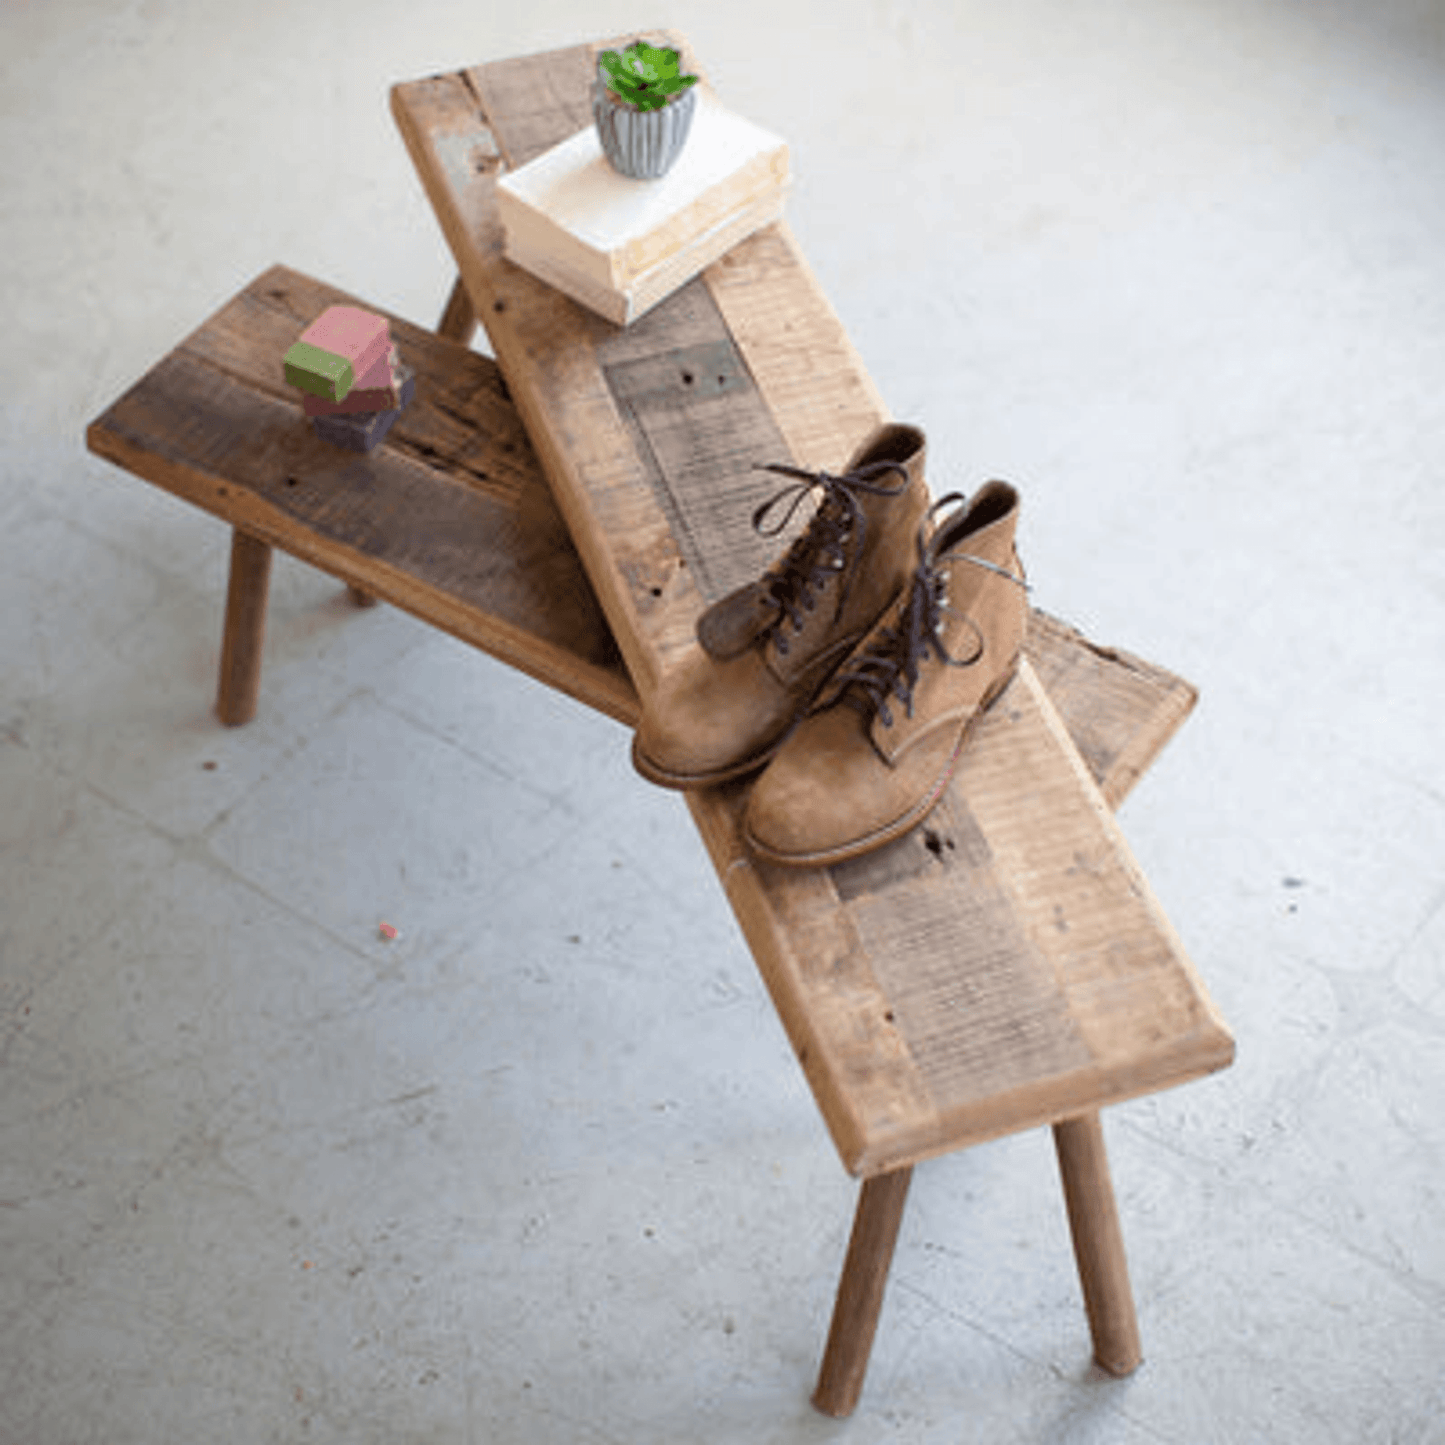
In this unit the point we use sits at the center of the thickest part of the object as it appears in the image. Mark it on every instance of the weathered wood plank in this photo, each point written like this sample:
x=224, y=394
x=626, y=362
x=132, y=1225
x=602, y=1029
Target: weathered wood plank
x=1118, y=709
x=449, y=519
x=551, y=349
x=699, y=426
x=779, y=318
x=1006, y=965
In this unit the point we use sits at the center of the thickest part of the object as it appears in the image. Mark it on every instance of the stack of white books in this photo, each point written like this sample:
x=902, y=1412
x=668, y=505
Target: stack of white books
x=618, y=245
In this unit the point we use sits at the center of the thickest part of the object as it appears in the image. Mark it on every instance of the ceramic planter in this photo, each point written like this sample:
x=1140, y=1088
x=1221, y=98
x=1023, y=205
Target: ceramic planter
x=642, y=143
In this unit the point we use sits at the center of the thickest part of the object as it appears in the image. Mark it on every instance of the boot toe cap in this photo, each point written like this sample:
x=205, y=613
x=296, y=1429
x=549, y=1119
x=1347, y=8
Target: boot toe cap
x=829, y=795
x=708, y=721
x=809, y=804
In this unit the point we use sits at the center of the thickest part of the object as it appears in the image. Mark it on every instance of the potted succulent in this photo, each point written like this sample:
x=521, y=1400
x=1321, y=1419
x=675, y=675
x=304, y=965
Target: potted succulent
x=643, y=108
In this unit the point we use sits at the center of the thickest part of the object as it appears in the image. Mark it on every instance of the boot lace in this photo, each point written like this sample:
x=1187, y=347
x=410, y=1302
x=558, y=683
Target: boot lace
x=822, y=550
x=889, y=666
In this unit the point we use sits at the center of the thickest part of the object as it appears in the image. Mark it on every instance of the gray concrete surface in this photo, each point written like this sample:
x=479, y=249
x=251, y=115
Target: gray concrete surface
x=543, y=1169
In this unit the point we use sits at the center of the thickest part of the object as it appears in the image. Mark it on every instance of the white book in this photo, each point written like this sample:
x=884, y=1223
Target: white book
x=618, y=245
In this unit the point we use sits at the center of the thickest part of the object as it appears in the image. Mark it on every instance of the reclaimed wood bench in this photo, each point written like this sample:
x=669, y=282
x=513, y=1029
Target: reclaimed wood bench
x=452, y=520
x=1004, y=966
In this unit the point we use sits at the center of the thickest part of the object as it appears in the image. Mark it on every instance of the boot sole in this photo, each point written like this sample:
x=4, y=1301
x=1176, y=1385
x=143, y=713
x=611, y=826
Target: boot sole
x=901, y=825
x=686, y=782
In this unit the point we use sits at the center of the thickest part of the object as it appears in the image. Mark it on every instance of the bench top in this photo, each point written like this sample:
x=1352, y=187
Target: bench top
x=1003, y=966
x=473, y=542
x=449, y=519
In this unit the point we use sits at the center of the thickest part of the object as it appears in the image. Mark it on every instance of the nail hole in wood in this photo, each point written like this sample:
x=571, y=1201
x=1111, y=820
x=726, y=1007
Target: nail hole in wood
x=656, y=591
x=499, y=305
x=292, y=482
x=687, y=378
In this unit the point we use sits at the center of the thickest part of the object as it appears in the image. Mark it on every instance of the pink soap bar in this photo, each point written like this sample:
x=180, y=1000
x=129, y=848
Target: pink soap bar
x=378, y=390
x=361, y=337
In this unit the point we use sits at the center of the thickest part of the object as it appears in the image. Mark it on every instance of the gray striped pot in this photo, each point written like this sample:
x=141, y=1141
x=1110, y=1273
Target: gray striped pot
x=642, y=143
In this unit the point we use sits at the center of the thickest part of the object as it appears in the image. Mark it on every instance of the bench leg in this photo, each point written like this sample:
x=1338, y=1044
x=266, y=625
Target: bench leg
x=1098, y=1243
x=245, y=629
x=860, y=1292
x=459, y=321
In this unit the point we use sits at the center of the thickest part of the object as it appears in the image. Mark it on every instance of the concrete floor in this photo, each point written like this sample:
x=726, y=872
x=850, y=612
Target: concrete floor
x=544, y=1169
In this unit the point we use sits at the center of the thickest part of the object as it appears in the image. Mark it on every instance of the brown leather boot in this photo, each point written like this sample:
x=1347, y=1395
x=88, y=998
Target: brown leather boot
x=768, y=648
x=876, y=752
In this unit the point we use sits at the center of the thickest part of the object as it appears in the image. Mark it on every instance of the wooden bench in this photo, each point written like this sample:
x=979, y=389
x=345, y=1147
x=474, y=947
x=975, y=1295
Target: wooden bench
x=1002, y=967
x=453, y=521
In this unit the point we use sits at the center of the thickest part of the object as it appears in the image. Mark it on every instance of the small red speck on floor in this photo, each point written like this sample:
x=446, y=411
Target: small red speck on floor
x=387, y=931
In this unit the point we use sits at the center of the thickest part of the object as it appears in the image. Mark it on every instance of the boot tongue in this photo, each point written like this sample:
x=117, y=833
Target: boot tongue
x=732, y=625
x=736, y=622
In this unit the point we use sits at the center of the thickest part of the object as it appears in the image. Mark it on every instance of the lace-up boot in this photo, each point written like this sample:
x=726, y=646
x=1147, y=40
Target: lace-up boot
x=766, y=649
x=877, y=750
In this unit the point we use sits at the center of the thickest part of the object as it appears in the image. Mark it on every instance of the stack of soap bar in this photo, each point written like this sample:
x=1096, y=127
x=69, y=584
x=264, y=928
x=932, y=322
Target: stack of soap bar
x=353, y=383
x=619, y=246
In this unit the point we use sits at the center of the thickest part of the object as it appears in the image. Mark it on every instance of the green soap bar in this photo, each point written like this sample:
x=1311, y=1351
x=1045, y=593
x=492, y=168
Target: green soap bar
x=322, y=373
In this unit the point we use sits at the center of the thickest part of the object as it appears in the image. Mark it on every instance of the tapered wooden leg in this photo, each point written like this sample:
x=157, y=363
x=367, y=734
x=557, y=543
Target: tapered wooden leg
x=860, y=1292
x=245, y=629
x=1098, y=1243
x=459, y=321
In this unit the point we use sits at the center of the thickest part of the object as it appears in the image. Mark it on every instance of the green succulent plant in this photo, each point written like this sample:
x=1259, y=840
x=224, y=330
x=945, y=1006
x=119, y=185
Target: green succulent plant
x=644, y=76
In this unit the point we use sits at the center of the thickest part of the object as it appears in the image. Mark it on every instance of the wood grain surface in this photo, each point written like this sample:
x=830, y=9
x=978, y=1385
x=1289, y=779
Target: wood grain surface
x=214, y=423
x=1004, y=966
x=450, y=518
x=572, y=373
